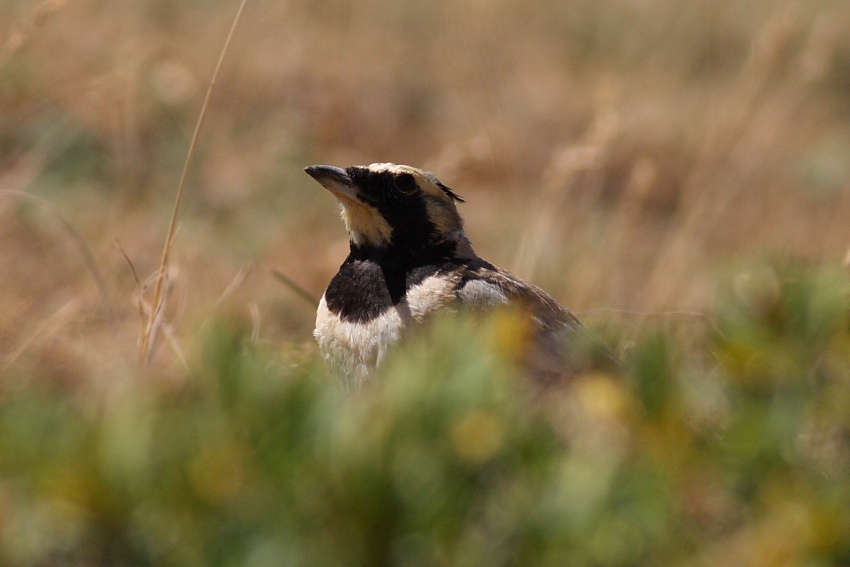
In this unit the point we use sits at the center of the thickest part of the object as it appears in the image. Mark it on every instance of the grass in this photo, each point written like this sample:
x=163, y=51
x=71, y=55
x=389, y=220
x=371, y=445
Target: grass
x=148, y=336
x=259, y=457
x=674, y=174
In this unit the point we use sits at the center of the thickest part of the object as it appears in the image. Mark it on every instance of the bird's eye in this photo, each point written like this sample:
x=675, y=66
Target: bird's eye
x=405, y=183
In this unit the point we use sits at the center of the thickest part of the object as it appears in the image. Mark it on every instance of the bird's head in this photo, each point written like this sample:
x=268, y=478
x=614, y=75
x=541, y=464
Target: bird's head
x=386, y=205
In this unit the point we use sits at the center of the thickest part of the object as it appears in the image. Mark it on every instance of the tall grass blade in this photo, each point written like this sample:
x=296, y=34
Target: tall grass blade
x=146, y=343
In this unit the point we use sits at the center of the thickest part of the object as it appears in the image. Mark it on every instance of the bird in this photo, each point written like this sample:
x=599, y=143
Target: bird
x=410, y=258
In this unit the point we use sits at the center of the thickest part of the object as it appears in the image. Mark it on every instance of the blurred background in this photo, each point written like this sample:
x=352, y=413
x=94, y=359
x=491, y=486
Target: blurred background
x=624, y=155
x=677, y=173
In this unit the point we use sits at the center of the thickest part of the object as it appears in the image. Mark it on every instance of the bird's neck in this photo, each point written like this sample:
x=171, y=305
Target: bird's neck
x=434, y=252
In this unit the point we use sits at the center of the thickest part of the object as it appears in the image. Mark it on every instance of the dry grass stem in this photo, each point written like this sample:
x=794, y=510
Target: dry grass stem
x=634, y=159
x=141, y=305
x=295, y=288
x=737, y=146
x=256, y=322
x=146, y=342
x=46, y=329
x=78, y=240
x=642, y=316
x=565, y=166
x=234, y=284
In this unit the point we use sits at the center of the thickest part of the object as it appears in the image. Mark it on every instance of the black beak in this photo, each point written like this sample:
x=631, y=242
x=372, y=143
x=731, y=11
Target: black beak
x=328, y=173
x=335, y=180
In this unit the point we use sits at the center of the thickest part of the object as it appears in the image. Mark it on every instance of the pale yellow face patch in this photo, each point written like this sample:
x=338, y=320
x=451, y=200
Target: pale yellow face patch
x=365, y=225
x=445, y=217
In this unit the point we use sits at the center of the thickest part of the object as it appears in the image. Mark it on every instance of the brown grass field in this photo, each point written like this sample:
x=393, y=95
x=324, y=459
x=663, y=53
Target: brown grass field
x=629, y=157
x=677, y=173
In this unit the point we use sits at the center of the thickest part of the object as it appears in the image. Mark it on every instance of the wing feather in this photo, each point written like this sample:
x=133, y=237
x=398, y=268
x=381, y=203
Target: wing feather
x=560, y=347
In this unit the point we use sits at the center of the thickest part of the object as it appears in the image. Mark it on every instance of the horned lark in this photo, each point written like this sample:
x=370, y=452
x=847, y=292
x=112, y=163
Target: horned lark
x=410, y=257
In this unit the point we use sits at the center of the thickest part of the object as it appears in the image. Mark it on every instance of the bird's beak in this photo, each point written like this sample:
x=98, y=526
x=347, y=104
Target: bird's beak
x=335, y=180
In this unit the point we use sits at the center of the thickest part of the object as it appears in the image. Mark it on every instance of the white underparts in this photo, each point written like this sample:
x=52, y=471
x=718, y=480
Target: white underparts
x=356, y=349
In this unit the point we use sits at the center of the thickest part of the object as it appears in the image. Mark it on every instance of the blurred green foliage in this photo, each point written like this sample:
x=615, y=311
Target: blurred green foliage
x=449, y=459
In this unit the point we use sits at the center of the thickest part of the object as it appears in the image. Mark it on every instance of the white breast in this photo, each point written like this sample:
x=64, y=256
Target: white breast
x=356, y=349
